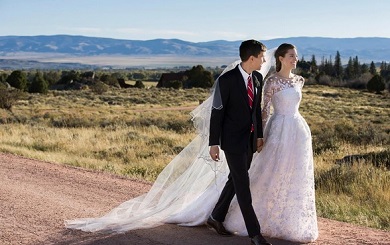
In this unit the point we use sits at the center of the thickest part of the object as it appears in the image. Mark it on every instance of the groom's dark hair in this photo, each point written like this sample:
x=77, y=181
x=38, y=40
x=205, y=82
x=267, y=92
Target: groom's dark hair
x=250, y=48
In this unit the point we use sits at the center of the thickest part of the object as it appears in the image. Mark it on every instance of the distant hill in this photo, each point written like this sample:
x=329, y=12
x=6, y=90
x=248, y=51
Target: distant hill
x=81, y=49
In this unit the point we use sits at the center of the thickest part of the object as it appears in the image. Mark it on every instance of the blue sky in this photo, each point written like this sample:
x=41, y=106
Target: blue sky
x=196, y=20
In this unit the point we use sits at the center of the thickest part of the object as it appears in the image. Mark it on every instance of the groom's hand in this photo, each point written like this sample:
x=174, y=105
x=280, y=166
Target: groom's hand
x=260, y=144
x=214, y=152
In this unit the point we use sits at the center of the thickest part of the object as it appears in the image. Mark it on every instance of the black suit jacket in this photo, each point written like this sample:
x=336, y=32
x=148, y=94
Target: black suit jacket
x=230, y=126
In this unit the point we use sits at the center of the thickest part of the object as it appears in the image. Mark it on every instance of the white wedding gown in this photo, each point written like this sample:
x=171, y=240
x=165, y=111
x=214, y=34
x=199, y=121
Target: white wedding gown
x=281, y=177
x=282, y=174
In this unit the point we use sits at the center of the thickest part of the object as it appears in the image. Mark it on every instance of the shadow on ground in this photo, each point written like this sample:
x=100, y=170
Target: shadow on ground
x=162, y=235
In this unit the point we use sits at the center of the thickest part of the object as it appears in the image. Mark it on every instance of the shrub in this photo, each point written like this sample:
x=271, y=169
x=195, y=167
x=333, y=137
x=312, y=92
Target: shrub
x=357, y=84
x=173, y=84
x=324, y=139
x=72, y=122
x=8, y=97
x=99, y=87
x=198, y=77
x=324, y=80
x=376, y=84
x=139, y=84
x=363, y=134
x=144, y=172
x=377, y=159
x=18, y=79
x=39, y=84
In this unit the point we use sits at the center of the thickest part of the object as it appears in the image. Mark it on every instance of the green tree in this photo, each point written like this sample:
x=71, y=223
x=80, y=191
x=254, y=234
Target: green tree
x=18, y=79
x=313, y=64
x=39, y=84
x=138, y=76
x=304, y=65
x=376, y=84
x=303, y=68
x=198, y=77
x=385, y=73
x=338, y=68
x=383, y=66
x=364, y=69
x=357, y=67
x=68, y=77
x=373, y=68
x=327, y=67
x=52, y=77
x=349, y=70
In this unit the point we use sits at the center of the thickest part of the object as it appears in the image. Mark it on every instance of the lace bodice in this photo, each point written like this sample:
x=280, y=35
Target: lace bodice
x=281, y=103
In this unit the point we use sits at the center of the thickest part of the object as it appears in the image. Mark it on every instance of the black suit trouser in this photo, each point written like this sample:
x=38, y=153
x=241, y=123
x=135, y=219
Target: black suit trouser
x=238, y=184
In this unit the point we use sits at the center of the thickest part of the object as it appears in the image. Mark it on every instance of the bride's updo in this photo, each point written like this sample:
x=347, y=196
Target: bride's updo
x=282, y=51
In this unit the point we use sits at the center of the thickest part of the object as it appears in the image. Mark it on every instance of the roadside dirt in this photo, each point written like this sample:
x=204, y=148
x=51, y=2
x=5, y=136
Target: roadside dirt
x=36, y=197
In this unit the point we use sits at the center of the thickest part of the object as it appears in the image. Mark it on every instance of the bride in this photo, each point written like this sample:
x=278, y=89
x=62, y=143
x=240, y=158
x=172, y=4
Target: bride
x=281, y=175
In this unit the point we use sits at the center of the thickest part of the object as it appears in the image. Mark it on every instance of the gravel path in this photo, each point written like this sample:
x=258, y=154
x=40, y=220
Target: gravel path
x=36, y=197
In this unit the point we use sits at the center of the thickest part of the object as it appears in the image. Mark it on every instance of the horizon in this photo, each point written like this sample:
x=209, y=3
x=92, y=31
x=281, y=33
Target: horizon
x=160, y=38
x=200, y=21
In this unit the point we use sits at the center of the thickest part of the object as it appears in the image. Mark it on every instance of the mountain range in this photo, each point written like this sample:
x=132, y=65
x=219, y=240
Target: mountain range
x=96, y=51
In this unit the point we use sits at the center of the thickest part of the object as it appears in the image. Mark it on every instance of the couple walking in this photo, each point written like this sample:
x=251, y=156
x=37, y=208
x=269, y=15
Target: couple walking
x=212, y=181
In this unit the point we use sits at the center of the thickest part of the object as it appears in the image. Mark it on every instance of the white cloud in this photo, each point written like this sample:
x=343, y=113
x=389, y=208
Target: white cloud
x=226, y=35
x=160, y=32
x=129, y=31
x=84, y=30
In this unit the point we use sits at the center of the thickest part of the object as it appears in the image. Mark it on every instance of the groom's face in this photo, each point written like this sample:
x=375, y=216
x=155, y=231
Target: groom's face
x=258, y=61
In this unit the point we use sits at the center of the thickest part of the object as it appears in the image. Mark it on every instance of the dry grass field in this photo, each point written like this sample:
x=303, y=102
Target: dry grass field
x=136, y=132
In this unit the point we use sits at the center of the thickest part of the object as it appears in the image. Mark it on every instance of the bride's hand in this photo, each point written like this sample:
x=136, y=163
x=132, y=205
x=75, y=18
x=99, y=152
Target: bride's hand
x=260, y=144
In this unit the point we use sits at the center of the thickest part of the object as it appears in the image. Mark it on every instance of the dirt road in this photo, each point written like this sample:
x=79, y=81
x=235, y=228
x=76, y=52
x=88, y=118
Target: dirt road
x=36, y=197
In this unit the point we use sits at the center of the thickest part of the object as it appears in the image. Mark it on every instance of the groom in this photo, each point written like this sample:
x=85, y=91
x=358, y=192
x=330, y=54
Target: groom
x=236, y=126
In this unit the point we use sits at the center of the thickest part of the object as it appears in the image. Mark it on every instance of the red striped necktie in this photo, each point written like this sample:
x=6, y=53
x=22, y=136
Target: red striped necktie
x=250, y=92
x=250, y=95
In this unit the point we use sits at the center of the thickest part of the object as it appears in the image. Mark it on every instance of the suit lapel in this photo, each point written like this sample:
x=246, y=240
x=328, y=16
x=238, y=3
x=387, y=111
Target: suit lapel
x=257, y=89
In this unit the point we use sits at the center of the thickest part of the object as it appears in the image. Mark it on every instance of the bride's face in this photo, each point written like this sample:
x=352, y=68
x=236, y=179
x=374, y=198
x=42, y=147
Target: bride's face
x=290, y=59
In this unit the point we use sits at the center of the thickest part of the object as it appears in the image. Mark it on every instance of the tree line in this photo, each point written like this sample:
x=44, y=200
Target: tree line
x=352, y=75
x=327, y=72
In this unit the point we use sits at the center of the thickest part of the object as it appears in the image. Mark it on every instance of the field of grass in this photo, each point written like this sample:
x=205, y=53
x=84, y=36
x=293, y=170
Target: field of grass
x=136, y=132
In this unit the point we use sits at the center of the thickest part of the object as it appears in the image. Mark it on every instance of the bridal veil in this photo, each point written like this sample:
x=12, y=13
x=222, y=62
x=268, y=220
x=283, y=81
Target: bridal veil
x=181, y=183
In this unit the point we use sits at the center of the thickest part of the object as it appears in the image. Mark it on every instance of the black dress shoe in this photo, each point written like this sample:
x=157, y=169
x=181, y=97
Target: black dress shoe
x=218, y=227
x=259, y=240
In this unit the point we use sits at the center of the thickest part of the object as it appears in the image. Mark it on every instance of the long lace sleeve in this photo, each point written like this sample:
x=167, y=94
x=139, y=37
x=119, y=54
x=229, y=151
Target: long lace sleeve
x=267, y=95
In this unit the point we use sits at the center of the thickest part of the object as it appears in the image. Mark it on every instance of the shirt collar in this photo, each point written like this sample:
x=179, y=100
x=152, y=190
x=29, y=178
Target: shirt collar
x=244, y=74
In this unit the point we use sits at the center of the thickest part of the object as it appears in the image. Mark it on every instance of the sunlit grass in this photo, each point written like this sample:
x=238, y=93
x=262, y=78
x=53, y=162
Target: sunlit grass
x=136, y=132
x=117, y=149
x=356, y=193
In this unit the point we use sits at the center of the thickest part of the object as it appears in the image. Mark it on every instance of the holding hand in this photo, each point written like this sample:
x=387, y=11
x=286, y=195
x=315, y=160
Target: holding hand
x=214, y=152
x=260, y=144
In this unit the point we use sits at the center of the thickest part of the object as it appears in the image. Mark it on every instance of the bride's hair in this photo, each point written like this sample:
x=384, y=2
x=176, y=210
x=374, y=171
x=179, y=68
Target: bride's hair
x=282, y=51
